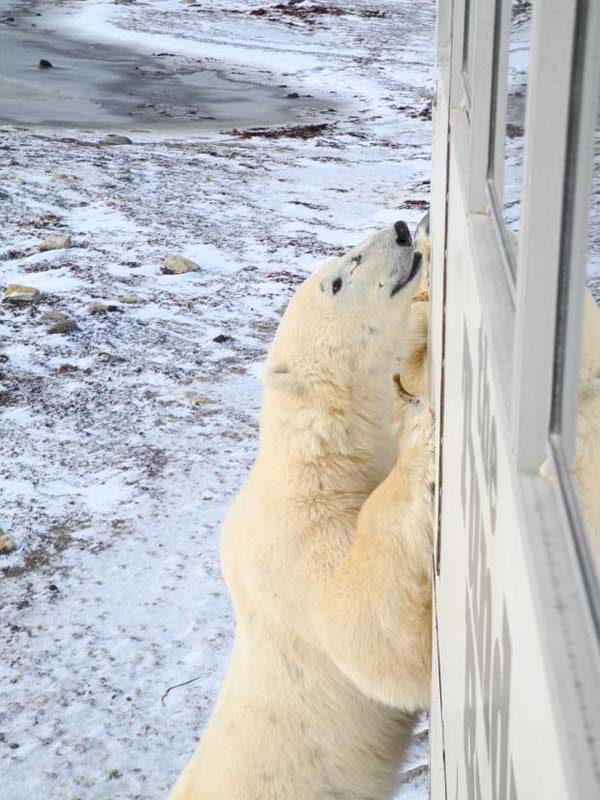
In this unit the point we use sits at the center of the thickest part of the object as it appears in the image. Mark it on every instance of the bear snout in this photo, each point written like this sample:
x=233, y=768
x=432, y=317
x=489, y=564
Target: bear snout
x=402, y=233
x=404, y=280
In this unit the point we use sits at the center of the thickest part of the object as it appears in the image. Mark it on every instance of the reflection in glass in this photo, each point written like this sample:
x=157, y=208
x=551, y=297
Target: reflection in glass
x=587, y=457
x=466, y=35
x=518, y=68
x=593, y=264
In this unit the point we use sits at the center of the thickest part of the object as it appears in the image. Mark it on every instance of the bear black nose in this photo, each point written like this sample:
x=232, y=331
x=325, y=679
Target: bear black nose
x=403, y=234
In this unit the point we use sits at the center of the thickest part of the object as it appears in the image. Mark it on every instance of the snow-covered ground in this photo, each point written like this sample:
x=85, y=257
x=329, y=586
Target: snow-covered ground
x=123, y=441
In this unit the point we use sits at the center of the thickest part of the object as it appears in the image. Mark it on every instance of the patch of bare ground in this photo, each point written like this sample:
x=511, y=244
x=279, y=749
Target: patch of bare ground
x=288, y=132
x=310, y=13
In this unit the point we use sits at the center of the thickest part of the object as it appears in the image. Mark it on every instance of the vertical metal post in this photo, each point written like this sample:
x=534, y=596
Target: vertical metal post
x=457, y=88
x=481, y=52
x=443, y=24
x=546, y=125
x=499, y=96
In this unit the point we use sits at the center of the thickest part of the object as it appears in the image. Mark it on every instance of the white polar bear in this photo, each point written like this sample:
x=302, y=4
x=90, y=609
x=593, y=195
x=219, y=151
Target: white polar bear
x=332, y=594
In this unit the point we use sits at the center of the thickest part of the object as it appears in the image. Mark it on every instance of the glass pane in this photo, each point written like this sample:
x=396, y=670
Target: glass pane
x=586, y=465
x=466, y=43
x=593, y=264
x=587, y=456
x=518, y=68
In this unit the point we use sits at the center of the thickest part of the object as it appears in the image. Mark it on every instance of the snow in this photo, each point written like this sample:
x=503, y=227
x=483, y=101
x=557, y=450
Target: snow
x=124, y=442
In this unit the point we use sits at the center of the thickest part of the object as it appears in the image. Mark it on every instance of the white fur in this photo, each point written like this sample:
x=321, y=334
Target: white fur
x=587, y=451
x=331, y=593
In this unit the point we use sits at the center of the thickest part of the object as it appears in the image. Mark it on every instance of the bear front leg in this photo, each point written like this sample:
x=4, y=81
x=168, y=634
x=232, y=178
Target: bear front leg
x=374, y=614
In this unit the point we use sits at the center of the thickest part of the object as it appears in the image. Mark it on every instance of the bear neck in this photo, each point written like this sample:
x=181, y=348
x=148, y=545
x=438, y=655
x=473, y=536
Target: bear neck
x=339, y=440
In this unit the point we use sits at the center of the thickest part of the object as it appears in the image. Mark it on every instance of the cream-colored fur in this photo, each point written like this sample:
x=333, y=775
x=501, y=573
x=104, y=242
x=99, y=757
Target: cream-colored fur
x=327, y=555
x=587, y=450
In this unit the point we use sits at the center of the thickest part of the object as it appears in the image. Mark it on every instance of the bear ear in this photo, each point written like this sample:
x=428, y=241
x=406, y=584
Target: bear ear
x=280, y=376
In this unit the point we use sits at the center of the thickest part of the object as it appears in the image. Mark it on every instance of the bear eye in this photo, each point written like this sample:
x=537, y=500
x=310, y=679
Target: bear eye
x=336, y=285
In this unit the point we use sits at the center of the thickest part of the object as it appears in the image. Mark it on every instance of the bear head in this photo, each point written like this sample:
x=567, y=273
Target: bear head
x=349, y=320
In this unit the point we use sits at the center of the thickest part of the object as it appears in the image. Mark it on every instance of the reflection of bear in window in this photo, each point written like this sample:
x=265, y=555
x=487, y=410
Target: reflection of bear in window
x=587, y=450
x=331, y=656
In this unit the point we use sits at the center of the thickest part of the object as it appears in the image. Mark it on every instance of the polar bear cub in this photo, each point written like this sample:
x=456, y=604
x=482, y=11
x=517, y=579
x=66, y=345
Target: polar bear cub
x=326, y=552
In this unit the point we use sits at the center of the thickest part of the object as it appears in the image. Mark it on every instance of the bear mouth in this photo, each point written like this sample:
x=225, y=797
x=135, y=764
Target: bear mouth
x=414, y=270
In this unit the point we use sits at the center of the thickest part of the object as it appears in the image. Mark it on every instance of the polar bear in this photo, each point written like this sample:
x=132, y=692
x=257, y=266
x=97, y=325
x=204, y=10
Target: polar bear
x=326, y=552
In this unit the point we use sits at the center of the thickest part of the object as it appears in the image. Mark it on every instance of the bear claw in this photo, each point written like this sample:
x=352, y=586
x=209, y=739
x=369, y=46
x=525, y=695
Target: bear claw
x=403, y=393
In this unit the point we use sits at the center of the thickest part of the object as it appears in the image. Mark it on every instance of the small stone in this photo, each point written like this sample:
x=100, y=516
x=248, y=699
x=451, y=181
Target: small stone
x=178, y=265
x=7, y=545
x=114, y=138
x=110, y=358
x=103, y=308
x=15, y=293
x=55, y=241
x=198, y=399
x=130, y=299
x=53, y=316
x=3, y=356
x=222, y=338
x=44, y=64
x=64, y=326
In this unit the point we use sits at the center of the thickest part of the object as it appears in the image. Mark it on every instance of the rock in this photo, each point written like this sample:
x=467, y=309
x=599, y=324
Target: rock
x=222, y=338
x=3, y=389
x=110, y=358
x=55, y=241
x=53, y=316
x=130, y=299
x=3, y=356
x=63, y=326
x=67, y=369
x=113, y=138
x=44, y=64
x=15, y=293
x=178, y=265
x=103, y=308
x=124, y=2
x=6, y=544
x=199, y=400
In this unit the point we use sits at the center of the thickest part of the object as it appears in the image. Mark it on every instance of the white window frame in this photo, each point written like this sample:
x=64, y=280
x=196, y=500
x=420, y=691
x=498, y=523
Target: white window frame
x=532, y=298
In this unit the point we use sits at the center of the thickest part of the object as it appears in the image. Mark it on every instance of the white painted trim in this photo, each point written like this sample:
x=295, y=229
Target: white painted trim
x=537, y=271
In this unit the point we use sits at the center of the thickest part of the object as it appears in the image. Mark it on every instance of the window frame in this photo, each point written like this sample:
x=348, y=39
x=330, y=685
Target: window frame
x=532, y=321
